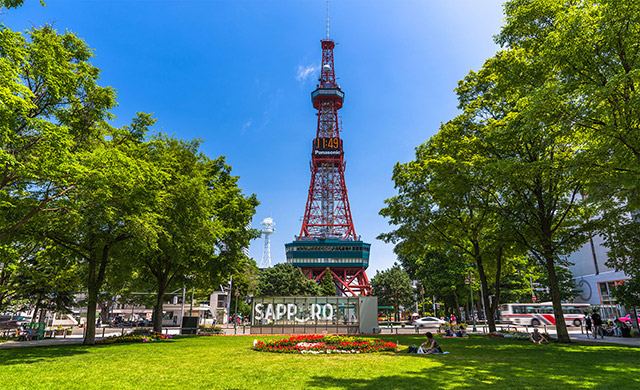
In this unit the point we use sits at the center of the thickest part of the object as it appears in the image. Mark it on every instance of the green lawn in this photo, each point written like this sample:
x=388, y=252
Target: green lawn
x=225, y=362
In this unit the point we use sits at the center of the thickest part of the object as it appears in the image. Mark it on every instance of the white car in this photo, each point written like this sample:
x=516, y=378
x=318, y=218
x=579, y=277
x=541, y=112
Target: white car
x=428, y=321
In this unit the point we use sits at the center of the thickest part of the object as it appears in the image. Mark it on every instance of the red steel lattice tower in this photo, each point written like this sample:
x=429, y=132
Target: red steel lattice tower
x=327, y=213
x=327, y=240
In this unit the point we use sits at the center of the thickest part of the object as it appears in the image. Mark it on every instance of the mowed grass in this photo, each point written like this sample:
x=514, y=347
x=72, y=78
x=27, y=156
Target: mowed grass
x=226, y=362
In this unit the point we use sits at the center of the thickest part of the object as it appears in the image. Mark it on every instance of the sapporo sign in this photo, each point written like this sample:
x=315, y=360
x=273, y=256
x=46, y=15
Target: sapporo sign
x=345, y=315
x=292, y=311
x=301, y=310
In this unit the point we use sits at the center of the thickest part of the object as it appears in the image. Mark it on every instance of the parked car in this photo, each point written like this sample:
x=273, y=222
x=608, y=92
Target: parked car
x=428, y=321
x=627, y=319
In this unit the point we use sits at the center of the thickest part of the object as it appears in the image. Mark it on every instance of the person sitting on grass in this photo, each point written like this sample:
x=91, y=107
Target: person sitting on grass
x=461, y=332
x=430, y=346
x=537, y=337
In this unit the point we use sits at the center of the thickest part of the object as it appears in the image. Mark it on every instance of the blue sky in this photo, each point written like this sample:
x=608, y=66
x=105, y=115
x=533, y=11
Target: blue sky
x=238, y=74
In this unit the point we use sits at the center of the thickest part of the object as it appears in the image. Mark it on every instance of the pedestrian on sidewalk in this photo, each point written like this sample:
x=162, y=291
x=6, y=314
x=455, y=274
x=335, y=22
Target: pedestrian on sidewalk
x=587, y=324
x=597, y=325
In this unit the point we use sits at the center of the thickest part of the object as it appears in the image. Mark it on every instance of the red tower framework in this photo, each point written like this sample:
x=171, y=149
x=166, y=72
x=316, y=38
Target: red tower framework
x=327, y=214
x=327, y=238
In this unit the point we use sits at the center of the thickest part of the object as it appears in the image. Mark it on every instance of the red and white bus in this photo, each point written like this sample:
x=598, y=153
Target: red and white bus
x=535, y=314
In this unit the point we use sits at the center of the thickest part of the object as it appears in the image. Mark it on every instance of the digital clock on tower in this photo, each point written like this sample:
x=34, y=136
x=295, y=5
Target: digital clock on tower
x=327, y=144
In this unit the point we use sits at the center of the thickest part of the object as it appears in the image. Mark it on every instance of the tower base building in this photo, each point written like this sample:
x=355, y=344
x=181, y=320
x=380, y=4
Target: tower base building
x=346, y=261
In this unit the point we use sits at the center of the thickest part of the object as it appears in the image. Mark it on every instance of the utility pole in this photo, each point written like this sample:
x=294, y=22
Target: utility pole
x=191, y=304
x=237, y=294
x=471, y=296
x=229, y=298
x=533, y=295
x=184, y=291
x=484, y=309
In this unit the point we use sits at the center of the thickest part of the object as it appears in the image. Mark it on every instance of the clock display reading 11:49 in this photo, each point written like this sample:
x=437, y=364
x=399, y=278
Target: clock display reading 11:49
x=327, y=144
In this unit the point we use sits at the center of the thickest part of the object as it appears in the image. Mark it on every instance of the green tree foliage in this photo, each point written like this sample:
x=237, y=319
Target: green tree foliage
x=193, y=234
x=627, y=294
x=101, y=200
x=37, y=278
x=441, y=274
x=393, y=288
x=444, y=201
x=109, y=206
x=591, y=48
x=50, y=107
x=566, y=285
x=14, y=3
x=285, y=280
x=539, y=178
x=327, y=285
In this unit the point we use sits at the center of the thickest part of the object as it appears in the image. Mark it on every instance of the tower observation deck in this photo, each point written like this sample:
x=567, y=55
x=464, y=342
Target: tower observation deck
x=327, y=240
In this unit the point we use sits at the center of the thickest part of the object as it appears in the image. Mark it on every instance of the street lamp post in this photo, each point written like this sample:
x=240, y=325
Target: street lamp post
x=237, y=294
x=471, y=296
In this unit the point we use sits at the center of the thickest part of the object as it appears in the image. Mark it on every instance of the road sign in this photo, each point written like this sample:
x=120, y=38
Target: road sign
x=533, y=298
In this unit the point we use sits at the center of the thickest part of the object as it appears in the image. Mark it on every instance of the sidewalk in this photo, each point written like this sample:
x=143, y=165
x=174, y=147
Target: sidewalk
x=69, y=340
x=631, y=341
x=576, y=336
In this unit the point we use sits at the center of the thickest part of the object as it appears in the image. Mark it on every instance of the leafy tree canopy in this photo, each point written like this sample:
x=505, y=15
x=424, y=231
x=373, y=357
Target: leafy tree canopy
x=285, y=280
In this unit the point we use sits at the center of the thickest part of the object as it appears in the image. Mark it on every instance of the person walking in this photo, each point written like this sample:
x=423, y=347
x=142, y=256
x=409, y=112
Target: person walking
x=587, y=324
x=597, y=325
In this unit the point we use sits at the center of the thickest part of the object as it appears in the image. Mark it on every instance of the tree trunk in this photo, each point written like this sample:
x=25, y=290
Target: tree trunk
x=34, y=317
x=457, y=309
x=90, y=327
x=494, y=304
x=633, y=315
x=157, y=310
x=561, y=326
x=95, y=281
x=485, y=295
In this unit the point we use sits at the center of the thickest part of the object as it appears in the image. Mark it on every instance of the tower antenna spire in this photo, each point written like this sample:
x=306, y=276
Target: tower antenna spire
x=327, y=20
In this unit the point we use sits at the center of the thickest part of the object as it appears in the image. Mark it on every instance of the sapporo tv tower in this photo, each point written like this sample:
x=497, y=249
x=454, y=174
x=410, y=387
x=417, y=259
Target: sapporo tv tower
x=327, y=240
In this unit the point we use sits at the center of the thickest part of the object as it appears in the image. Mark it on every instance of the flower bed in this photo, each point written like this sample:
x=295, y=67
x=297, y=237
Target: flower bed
x=136, y=336
x=325, y=344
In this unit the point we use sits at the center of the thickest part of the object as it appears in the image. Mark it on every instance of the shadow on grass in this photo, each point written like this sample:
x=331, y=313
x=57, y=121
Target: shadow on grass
x=37, y=354
x=502, y=364
x=28, y=355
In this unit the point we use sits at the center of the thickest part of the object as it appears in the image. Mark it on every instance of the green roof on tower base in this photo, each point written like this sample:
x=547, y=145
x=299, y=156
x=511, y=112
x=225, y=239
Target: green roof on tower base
x=328, y=253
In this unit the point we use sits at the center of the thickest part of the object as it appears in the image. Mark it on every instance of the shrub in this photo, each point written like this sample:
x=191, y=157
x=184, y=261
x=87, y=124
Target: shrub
x=136, y=336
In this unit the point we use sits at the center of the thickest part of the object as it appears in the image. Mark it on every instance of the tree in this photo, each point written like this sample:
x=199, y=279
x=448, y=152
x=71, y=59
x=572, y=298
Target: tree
x=393, y=287
x=245, y=282
x=591, y=46
x=110, y=205
x=13, y=3
x=50, y=105
x=441, y=274
x=566, y=285
x=285, y=280
x=537, y=181
x=627, y=294
x=194, y=238
x=327, y=285
x=442, y=203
